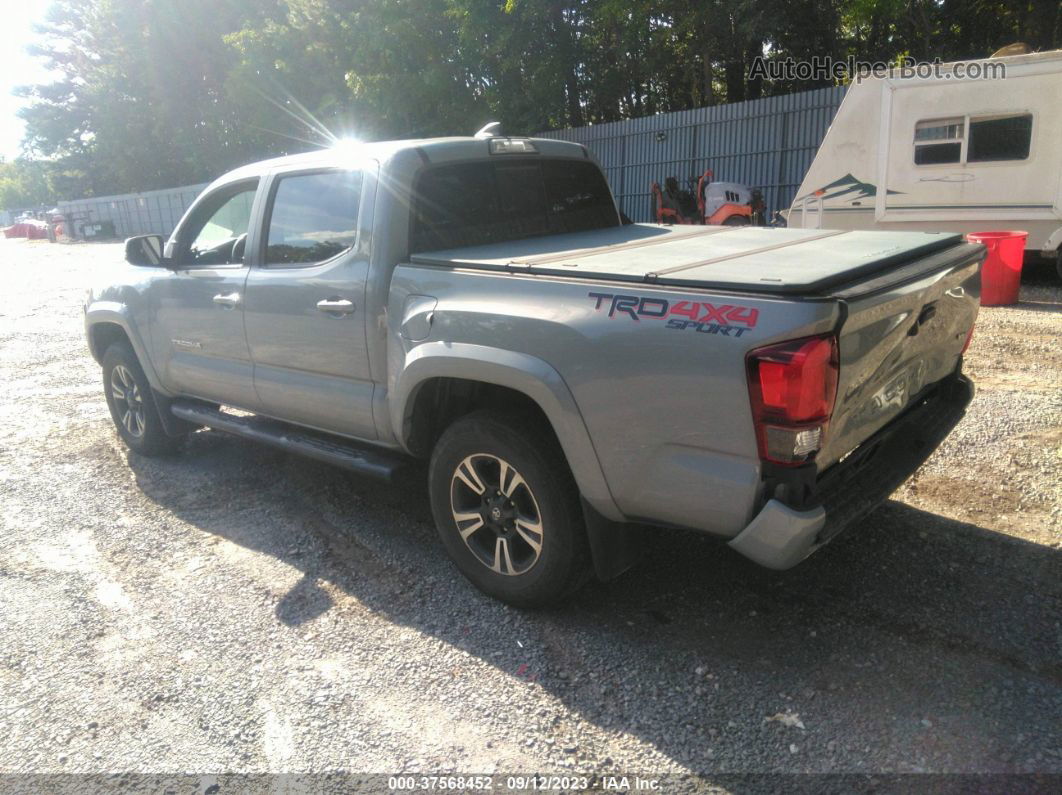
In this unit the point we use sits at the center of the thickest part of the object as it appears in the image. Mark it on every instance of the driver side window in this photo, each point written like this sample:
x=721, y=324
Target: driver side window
x=217, y=233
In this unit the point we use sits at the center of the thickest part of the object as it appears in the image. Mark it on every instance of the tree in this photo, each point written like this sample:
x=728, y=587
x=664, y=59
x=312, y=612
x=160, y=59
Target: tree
x=139, y=103
x=24, y=184
x=155, y=93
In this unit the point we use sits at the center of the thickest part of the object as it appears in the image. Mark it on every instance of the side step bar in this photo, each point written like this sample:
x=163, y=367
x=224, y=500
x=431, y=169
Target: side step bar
x=379, y=464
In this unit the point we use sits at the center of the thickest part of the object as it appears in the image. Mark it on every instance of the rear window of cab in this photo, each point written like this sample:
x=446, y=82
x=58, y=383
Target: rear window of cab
x=490, y=201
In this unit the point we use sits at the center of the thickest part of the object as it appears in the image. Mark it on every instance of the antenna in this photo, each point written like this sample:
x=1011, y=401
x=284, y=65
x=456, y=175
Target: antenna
x=490, y=130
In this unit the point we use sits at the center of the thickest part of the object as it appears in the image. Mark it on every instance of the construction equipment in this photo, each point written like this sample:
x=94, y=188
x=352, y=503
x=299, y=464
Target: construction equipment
x=707, y=202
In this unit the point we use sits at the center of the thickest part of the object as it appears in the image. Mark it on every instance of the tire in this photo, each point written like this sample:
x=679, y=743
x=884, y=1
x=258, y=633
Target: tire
x=540, y=504
x=736, y=220
x=132, y=403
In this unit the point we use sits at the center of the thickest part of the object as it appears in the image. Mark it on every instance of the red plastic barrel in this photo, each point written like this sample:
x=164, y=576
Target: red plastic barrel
x=1001, y=274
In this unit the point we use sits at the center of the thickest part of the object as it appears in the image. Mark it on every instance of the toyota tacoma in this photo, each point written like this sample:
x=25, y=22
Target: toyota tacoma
x=576, y=382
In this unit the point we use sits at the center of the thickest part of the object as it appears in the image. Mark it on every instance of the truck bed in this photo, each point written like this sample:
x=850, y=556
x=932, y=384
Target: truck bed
x=748, y=259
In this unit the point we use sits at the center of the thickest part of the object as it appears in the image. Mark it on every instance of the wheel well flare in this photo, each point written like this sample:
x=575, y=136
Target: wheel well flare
x=104, y=335
x=440, y=401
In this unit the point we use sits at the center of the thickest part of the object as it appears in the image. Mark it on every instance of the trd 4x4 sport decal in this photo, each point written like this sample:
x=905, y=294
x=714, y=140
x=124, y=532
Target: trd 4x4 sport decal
x=727, y=319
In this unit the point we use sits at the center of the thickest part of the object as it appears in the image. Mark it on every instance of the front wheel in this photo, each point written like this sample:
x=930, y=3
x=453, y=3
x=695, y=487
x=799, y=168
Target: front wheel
x=132, y=403
x=507, y=509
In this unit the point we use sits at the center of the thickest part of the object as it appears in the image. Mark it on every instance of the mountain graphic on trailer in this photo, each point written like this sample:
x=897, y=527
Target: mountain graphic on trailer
x=851, y=187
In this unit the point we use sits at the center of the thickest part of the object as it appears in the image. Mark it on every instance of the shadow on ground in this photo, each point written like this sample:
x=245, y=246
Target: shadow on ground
x=912, y=642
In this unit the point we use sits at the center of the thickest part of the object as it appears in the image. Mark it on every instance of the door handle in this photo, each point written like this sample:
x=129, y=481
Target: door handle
x=336, y=306
x=227, y=301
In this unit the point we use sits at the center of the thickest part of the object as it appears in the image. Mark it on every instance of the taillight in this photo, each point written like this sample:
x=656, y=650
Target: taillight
x=792, y=387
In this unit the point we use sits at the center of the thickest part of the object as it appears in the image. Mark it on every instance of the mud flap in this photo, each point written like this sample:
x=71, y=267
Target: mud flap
x=614, y=546
x=174, y=426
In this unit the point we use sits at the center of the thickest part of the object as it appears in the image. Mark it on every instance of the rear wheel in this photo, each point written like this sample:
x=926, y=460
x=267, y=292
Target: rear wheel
x=132, y=403
x=736, y=220
x=507, y=509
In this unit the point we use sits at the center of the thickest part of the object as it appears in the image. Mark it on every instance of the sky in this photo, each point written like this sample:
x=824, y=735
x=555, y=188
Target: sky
x=17, y=67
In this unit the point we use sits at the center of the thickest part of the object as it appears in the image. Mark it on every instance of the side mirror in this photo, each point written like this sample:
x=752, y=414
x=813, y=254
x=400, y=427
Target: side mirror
x=144, y=250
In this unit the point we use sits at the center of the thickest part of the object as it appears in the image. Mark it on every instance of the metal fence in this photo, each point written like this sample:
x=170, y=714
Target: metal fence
x=135, y=213
x=764, y=143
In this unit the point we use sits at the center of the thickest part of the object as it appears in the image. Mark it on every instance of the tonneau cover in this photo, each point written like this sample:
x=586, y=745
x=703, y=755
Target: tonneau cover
x=759, y=259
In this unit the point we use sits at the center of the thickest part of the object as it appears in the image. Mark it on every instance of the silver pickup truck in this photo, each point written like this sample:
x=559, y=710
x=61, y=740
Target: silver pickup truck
x=575, y=381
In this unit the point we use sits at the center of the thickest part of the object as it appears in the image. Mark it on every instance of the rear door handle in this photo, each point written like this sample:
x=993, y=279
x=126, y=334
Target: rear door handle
x=336, y=306
x=227, y=301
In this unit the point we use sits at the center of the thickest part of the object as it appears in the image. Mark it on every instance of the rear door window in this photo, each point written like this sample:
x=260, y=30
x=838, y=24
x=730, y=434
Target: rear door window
x=314, y=217
x=469, y=204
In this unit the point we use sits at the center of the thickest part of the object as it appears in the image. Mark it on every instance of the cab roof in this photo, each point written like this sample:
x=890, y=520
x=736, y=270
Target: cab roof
x=429, y=150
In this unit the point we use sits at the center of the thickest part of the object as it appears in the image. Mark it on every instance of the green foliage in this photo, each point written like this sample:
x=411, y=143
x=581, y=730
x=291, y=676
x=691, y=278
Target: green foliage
x=155, y=93
x=139, y=103
x=24, y=184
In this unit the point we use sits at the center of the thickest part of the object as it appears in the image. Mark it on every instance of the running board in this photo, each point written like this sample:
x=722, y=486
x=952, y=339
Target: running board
x=379, y=464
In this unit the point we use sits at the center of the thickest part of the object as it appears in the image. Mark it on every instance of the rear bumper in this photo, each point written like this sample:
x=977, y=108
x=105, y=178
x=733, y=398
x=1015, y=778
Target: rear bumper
x=780, y=537
x=808, y=511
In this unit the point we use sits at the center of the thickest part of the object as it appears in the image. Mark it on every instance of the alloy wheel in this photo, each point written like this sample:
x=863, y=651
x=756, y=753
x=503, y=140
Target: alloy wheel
x=496, y=514
x=128, y=402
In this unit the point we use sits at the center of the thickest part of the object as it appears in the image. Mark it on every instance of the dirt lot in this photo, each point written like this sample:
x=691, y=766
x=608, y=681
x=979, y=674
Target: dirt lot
x=237, y=609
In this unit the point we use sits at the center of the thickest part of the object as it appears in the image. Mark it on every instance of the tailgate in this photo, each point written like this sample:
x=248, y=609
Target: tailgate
x=902, y=332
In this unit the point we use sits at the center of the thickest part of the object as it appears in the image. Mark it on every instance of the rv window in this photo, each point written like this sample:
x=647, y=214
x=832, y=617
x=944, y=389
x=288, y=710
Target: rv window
x=939, y=130
x=938, y=141
x=937, y=153
x=1000, y=138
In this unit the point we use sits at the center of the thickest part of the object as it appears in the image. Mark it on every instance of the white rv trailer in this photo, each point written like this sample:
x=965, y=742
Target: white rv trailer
x=945, y=153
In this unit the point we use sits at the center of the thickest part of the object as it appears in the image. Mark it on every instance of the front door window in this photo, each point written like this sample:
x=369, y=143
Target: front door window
x=217, y=233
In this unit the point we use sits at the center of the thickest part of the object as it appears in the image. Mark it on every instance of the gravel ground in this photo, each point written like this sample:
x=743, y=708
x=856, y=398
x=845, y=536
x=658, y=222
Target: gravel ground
x=235, y=609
